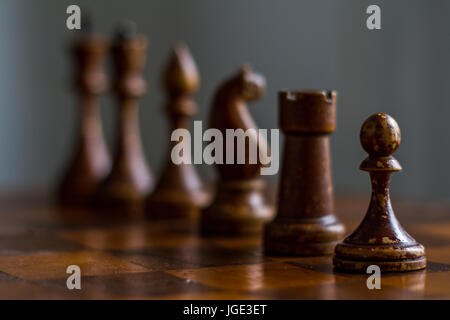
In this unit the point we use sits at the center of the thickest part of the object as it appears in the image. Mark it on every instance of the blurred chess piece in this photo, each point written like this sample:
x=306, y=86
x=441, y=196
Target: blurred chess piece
x=130, y=180
x=239, y=206
x=179, y=192
x=91, y=161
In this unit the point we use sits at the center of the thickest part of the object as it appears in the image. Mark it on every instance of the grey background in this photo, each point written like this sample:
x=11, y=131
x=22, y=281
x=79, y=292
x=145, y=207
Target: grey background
x=401, y=70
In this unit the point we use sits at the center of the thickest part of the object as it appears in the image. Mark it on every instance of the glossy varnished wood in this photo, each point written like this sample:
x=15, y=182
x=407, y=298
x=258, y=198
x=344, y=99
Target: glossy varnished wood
x=122, y=258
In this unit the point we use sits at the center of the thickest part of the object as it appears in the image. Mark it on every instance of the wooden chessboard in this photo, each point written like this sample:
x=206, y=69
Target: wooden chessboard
x=123, y=259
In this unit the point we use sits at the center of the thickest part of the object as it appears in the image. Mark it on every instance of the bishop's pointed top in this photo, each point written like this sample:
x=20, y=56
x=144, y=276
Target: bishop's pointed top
x=245, y=68
x=181, y=74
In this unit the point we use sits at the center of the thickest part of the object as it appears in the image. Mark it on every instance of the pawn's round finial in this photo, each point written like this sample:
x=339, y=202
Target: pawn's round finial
x=380, y=135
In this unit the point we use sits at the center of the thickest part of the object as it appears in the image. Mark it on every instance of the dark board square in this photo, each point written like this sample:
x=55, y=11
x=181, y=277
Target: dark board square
x=34, y=242
x=153, y=262
x=133, y=286
x=437, y=267
x=208, y=256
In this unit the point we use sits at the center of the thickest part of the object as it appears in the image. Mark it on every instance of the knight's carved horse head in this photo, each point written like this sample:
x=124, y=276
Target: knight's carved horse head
x=229, y=111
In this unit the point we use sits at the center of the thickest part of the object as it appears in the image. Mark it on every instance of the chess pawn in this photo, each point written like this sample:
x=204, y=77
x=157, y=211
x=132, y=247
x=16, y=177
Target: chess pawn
x=179, y=192
x=305, y=223
x=380, y=239
x=130, y=179
x=239, y=206
x=91, y=161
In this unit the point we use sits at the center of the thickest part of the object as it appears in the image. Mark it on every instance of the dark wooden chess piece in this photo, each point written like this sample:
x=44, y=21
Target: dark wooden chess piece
x=239, y=206
x=179, y=192
x=305, y=223
x=91, y=161
x=130, y=180
x=380, y=239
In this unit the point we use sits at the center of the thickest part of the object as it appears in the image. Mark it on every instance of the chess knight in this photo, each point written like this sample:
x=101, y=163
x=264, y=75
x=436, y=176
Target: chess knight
x=239, y=206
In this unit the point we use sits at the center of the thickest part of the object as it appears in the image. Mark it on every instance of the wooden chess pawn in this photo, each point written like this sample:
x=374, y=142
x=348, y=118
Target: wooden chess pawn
x=380, y=239
x=239, y=206
x=91, y=161
x=179, y=192
x=130, y=180
x=305, y=223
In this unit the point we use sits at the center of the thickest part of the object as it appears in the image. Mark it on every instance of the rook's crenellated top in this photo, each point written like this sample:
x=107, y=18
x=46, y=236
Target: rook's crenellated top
x=307, y=111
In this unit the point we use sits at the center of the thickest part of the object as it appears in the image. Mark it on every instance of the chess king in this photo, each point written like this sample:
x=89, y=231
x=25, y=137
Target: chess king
x=239, y=206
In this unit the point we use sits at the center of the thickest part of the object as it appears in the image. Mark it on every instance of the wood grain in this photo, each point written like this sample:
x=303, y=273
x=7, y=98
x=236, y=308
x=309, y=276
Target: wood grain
x=141, y=259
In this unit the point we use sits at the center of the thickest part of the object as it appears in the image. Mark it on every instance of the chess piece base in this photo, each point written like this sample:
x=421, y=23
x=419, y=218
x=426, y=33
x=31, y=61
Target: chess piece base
x=308, y=237
x=175, y=205
x=385, y=266
x=74, y=198
x=390, y=258
x=238, y=209
x=113, y=198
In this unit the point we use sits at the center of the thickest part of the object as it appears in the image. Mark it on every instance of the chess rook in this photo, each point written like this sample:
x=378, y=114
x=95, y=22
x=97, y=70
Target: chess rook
x=179, y=192
x=305, y=223
x=239, y=206
x=380, y=239
x=130, y=179
x=91, y=161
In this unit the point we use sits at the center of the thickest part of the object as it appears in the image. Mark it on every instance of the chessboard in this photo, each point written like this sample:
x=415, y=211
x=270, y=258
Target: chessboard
x=133, y=258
